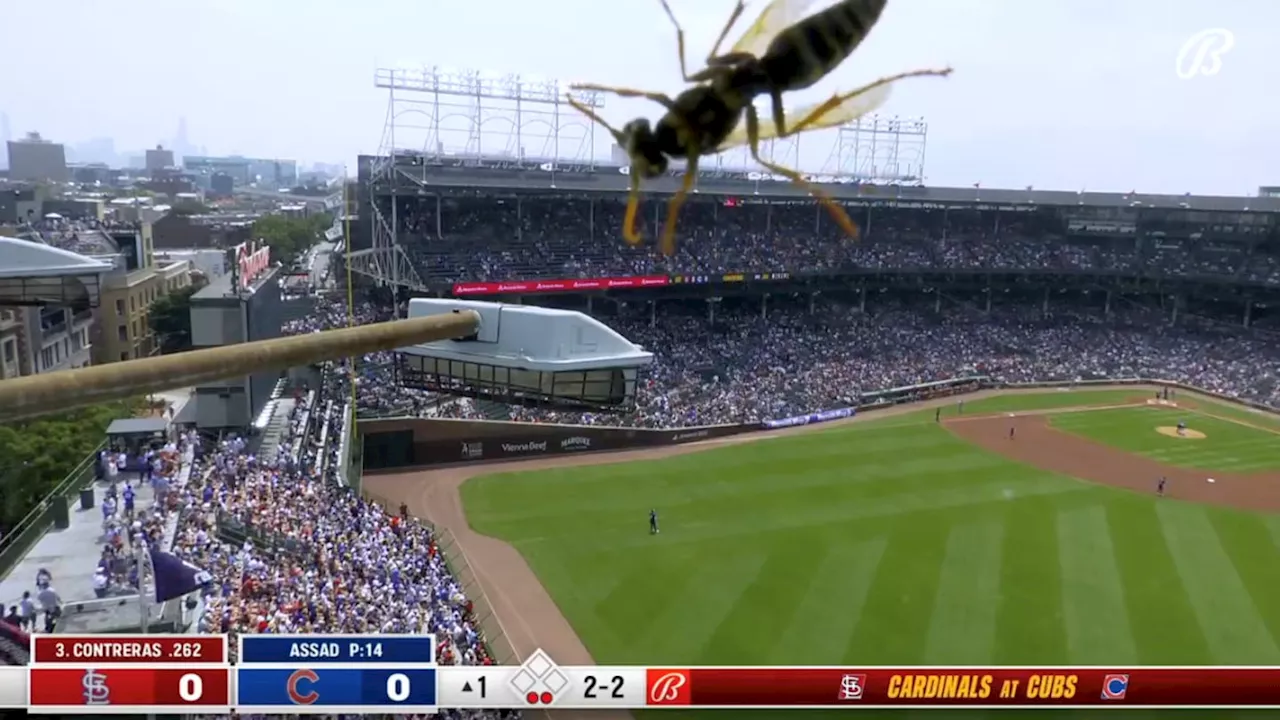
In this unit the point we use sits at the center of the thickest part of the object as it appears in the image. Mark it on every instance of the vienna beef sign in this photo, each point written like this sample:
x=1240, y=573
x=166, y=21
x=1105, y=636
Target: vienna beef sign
x=253, y=259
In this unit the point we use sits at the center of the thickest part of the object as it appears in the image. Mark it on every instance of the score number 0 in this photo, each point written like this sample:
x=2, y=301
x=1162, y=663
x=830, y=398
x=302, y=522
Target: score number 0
x=398, y=687
x=190, y=687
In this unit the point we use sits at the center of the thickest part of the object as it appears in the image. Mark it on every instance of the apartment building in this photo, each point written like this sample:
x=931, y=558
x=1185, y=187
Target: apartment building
x=124, y=327
x=10, y=336
x=44, y=339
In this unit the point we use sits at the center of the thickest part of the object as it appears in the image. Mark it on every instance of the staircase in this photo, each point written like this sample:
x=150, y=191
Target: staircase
x=279, y=408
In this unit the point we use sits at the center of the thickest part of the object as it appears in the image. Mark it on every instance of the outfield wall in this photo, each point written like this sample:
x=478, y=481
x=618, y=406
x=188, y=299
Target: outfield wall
x=400, y=443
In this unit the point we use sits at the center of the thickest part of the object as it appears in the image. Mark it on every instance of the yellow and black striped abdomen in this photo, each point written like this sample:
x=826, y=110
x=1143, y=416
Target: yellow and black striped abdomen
x=806, y=52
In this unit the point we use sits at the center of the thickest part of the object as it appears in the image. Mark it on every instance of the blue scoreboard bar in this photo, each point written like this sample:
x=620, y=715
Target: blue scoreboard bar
x=334, y=690
x=328, y=674
x=337, y=649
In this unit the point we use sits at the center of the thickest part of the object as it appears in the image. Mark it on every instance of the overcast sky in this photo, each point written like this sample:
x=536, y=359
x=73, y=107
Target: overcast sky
x=1063, y=94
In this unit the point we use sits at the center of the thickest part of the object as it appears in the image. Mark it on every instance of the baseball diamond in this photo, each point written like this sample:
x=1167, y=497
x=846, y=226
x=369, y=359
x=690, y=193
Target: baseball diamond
x=892, y=538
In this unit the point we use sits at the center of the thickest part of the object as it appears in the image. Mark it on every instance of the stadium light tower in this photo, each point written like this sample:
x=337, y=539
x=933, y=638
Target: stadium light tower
x=465, y=117
x=440, y=112
x=880, y=149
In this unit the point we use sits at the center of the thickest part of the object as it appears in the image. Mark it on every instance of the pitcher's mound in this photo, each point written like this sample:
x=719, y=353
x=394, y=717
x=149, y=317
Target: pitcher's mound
x=1187, y=434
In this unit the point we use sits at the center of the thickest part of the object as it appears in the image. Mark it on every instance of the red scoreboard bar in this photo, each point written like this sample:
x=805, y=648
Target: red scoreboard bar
x=130, y=674
x=132, y=649
x=1165, y=687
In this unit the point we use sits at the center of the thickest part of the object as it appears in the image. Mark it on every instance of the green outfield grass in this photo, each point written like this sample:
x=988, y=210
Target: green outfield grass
x=896, y=543
x=1230, y=446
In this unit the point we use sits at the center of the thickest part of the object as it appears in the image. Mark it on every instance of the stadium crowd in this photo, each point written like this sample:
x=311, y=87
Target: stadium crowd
x=748, y=368
x=317, y=557
x=479, y=239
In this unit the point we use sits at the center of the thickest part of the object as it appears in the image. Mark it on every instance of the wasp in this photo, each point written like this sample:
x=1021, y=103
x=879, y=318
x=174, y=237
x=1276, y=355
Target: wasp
x=782, y=51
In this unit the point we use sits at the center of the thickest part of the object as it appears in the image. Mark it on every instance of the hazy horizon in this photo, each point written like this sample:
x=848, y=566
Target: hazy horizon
x=1059, y=94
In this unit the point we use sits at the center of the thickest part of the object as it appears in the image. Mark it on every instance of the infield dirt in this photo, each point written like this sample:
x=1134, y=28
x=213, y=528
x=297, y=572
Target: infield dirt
x=530, y=619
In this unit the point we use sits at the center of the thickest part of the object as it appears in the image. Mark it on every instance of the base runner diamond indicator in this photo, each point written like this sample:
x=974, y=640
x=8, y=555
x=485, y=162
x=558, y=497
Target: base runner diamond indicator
x=555, y=681
x=539, y=680
x=522, y=681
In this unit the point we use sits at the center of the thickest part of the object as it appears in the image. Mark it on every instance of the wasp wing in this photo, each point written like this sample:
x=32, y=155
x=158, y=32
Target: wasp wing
x=851, y=108
x=777, y=16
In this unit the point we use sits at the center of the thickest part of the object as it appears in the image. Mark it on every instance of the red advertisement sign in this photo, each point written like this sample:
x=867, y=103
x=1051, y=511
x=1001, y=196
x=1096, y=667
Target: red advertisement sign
x=546, y=286
x=253, y=261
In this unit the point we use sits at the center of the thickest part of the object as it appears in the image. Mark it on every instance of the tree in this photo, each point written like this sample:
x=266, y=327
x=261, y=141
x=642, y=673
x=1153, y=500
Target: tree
x=170, y=319
x=37, y=455
x=289, y=237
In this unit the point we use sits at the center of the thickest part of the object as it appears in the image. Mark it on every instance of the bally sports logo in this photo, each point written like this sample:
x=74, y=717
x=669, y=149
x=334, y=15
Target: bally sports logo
x=525, y=447
x=668, y=687
x=576, y=442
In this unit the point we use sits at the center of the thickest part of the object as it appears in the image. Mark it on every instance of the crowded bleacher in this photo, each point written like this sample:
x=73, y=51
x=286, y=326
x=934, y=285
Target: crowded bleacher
x=313, y=556
x=480, y=239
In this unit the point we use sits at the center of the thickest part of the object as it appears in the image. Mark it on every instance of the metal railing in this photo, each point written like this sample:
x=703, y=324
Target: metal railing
x=32, y=527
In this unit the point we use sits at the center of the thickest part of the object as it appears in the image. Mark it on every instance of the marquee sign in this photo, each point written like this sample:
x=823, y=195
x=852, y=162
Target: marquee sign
x=253, y=261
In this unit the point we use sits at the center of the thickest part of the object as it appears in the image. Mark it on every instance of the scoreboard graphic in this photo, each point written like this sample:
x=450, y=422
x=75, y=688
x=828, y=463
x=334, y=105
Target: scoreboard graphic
x=115, y=674
x=399, y=674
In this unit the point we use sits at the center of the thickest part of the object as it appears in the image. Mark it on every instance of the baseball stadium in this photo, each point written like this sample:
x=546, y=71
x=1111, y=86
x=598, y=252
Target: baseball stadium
x=836, y=422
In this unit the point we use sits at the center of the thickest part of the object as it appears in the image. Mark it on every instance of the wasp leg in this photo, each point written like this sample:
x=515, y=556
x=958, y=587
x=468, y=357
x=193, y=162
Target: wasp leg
x=733, y=18
x=841, y=98
x=684, y=66
x=713, y=59
x=837, y=213
x=617, y=134
x=660, y=98
x=677, y=201
x=629, y=233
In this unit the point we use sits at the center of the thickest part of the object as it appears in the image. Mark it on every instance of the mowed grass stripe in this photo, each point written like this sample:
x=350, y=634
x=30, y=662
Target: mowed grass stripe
x=1094, y=612
x=1165, y=628
x=913, y=496
x=770, y=601
x=963, y=625
x=894, y=623
x=1234, y=630
x=1249, y=541
x=680, y=633
x=619, y=610
x=844, y=575
x=1029, y=629
x=784, y=469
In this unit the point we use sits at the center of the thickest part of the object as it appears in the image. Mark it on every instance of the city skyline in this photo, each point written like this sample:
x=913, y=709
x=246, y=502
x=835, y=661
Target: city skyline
x=1064, y=94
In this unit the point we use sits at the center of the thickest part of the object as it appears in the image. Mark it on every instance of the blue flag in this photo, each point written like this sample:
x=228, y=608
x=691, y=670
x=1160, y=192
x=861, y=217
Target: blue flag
x=175, y=577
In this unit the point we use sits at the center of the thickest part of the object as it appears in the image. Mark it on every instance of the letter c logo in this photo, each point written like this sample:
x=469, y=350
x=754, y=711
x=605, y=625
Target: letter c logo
x=295, y=696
